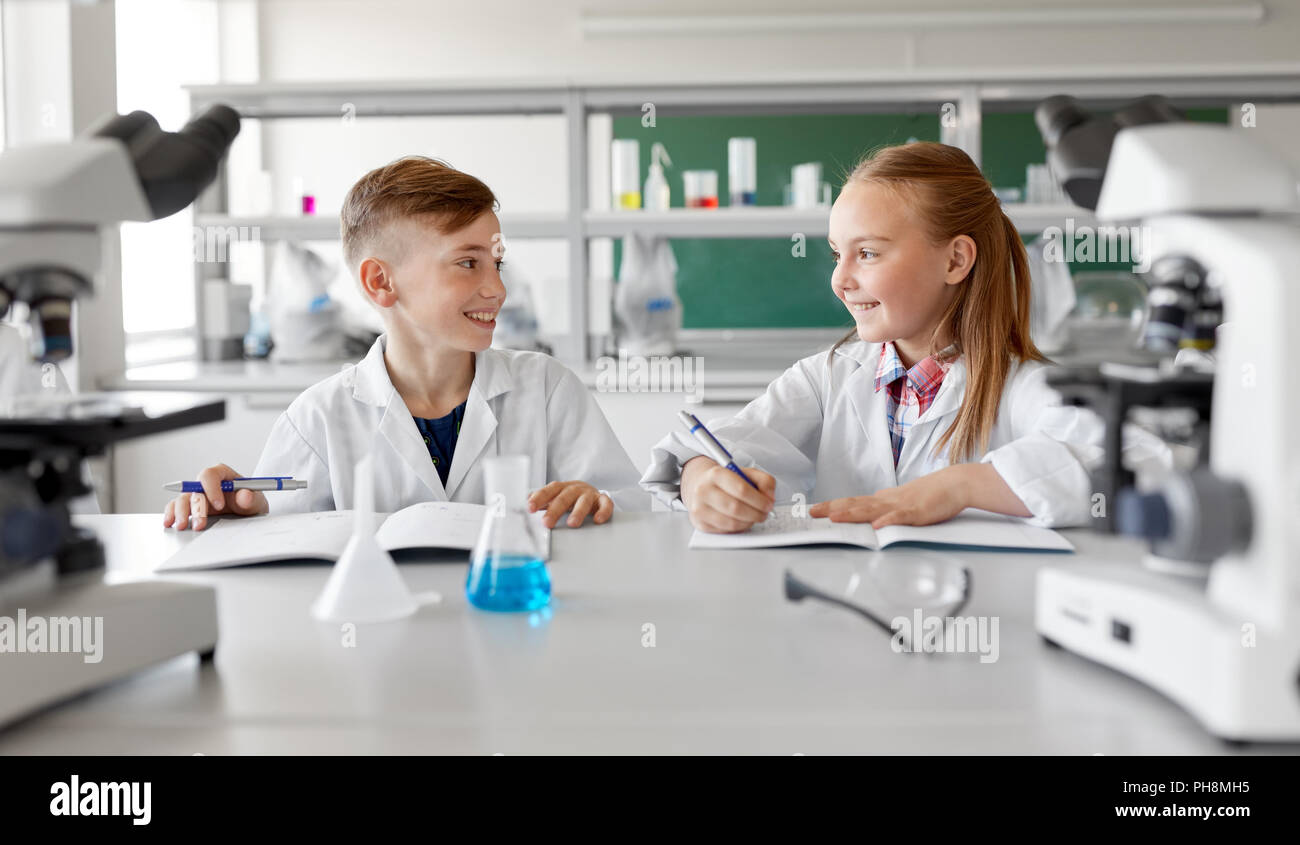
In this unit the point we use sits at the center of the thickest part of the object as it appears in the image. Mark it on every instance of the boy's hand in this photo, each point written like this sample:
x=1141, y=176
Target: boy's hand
x=560, y=496
x=933, y=498
x=193, y=508
x=720, y=502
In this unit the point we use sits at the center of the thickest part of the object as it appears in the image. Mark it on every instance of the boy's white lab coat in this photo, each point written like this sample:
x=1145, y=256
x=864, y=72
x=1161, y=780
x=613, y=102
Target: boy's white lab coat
x=521, y=403
x=822, y=432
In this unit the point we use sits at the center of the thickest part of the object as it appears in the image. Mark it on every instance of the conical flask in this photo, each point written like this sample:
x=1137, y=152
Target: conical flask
x=507, y=570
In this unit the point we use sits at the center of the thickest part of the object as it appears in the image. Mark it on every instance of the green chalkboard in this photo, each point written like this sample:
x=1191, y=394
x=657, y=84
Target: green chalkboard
x=759, y=283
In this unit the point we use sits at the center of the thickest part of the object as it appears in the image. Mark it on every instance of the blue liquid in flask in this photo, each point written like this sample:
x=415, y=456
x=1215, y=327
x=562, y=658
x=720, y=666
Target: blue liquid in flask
x=520, y=583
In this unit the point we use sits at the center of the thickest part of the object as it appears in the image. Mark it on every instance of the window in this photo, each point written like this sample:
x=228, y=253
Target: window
x=162, y=45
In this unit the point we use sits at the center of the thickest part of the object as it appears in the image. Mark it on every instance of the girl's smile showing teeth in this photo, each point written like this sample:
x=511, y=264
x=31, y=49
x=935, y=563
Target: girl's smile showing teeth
x=483, y=318
x=862, y=306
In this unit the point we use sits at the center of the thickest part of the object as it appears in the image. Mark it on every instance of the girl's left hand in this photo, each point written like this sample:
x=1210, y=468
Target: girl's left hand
x=560, y=496
x=925, y=501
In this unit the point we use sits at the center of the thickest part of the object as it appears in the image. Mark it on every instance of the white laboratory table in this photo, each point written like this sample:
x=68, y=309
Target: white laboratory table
x=734, y=667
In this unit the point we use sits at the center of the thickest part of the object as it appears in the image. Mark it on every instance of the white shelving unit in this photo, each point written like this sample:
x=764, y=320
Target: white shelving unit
x=755, y=222
x=576, y=100
x=326, y=227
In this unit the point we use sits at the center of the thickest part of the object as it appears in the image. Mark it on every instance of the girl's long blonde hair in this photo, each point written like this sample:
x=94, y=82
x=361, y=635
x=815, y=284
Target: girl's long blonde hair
x=988, y=319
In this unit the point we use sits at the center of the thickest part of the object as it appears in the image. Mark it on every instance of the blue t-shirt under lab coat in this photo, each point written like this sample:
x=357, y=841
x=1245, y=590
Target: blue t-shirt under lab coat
x=440, y=437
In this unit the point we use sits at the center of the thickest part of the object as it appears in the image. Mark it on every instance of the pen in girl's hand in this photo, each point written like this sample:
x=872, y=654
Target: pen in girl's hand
x=711, y=445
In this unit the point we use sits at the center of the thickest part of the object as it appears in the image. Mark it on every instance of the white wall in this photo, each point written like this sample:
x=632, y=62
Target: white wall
x=1276, y=127
x=334, y=39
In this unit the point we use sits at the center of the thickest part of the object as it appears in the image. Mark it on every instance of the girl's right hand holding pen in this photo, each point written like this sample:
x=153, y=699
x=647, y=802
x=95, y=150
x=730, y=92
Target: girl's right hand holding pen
x=193, y=509
x=720, y=502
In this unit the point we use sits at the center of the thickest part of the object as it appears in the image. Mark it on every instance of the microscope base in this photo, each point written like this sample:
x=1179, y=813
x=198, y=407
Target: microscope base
x=1238, y=681
x=143, y=623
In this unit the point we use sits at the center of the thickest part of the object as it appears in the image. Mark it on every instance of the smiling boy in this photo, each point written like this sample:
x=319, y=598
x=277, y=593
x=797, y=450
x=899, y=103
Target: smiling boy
x=432, y=398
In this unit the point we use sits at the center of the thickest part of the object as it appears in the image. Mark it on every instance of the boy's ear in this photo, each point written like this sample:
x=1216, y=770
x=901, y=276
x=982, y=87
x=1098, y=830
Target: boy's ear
x=377, y=282
x=961, y=258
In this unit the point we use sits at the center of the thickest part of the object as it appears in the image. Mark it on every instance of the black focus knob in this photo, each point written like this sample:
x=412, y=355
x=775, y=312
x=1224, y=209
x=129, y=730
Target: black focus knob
x=29, y=534
x=1143, y=515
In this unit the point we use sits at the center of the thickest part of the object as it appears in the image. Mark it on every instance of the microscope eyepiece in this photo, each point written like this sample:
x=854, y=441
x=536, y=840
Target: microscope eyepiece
x=175, y=167
x=1078, y=143
x=216, y=128
x=131, y=129
x=1057, y=115
x=1149, y=109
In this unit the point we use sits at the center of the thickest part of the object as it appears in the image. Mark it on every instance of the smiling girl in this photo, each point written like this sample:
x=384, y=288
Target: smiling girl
x=937, y=400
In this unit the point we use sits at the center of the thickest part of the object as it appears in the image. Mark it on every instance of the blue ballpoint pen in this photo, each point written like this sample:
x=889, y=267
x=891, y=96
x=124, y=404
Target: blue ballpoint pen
x=272, y=482
x=712, y=446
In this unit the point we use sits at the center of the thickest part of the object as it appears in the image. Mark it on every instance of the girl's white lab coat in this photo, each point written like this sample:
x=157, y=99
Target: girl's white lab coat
x=822, y=432
x=521, y=403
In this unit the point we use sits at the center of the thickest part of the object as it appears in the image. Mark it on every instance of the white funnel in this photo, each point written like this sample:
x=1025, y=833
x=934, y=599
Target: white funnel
x=365, y=585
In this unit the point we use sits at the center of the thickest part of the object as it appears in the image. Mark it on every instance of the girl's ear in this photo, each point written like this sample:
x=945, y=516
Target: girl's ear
x=377, y=282
x=961, y=258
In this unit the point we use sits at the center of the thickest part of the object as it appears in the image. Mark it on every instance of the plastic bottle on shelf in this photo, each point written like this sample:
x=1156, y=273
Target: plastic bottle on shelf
x=742, y=164
x=625, y=173
x=657, y=196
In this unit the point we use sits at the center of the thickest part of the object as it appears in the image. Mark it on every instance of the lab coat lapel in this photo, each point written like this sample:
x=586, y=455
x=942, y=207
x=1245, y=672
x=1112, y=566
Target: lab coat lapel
x=374, y=387
x=398, y=428
x=491, y=378
x=918, y=448
x=870, y=406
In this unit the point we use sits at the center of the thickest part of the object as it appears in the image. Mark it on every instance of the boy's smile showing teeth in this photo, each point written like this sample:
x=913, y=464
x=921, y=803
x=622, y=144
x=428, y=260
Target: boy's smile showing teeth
x=483, y=318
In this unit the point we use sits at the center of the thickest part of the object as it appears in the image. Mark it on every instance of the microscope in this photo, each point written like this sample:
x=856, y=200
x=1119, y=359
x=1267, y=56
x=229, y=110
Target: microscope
x=58, y=204
x=1211, y=618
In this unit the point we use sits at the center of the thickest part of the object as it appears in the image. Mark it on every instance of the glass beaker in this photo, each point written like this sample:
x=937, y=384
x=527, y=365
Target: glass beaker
x=507, y=570
x=700, y=188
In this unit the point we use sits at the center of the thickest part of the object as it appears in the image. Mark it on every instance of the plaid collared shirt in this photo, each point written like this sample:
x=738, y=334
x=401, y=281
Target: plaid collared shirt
x=910, y=391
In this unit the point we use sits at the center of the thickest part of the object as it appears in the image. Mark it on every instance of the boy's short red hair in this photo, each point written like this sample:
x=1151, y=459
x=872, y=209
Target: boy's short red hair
x=410, y=187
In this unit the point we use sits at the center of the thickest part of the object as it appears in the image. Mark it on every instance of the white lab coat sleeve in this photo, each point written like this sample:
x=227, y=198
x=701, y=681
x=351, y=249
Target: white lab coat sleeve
x=289, y=452
x=1056, y=446
x=1052, y=448
x=581, y=445
x=778, y=432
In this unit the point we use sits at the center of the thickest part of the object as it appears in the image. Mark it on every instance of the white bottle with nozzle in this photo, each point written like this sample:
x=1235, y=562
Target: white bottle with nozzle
x=656, y=196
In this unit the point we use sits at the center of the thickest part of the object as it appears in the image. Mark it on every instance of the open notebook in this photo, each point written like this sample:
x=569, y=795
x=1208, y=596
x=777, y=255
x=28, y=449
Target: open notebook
x=973, y=529
x=323, y=535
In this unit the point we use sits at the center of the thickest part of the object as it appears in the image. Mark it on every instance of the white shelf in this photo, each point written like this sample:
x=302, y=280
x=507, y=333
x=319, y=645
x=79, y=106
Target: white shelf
x=782, y=92
x=325, y=227
x=677, y=223
x=1032, y=219
x=753, y=222
x=741, y=222
x=778, y=222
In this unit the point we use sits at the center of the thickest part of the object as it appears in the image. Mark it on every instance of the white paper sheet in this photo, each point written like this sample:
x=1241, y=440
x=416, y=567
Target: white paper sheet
x=437, y=525
x=258, y=539
x=971, y=528
x=323, y=535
